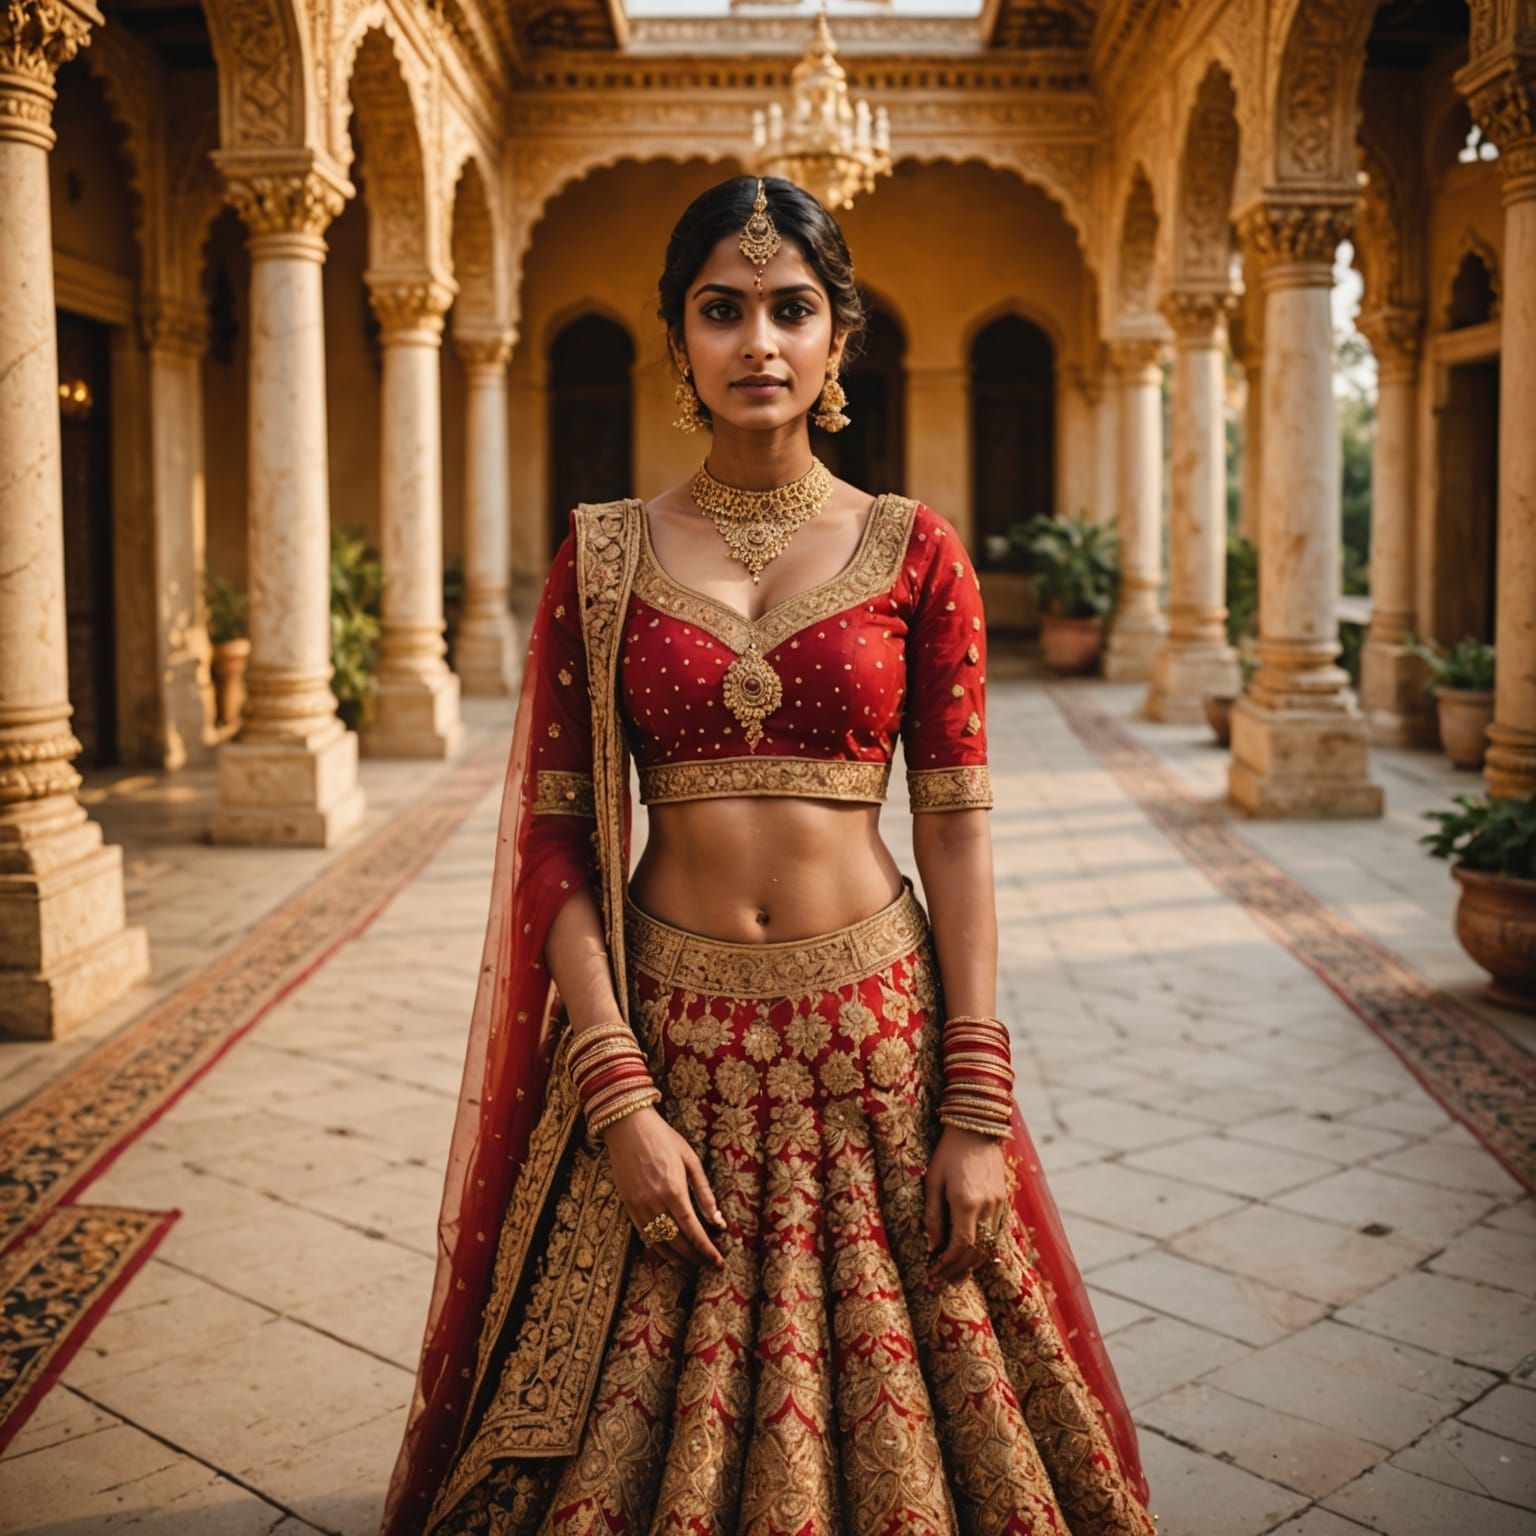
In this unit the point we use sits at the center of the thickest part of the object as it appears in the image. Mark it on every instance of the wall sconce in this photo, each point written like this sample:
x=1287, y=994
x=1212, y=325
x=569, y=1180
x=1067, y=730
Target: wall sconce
x=75, y=399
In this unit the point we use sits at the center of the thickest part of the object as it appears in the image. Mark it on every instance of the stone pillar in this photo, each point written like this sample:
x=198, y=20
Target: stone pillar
x=1392, y=680
x=485, y=648
x=1106, y=448
x=1196, y=659
x=1138, y=626
x=418, y=697
x=938, y=417
x=1073, y=449
x=1501, y=92
x=1245, y=335
x=290, y=777
x=1299, y=745
x=175, y=335
x=64, y=949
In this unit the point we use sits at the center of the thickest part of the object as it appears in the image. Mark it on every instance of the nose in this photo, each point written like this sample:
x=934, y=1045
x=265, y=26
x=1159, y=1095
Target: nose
x=759, y=341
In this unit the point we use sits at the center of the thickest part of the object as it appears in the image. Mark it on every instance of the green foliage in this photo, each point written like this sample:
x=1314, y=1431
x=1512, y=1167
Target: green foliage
x=1493, y=835
x=1351, y=645
x=1467, y=664
x=226, y=605
x=356, y=590
x=1357, y=435
x=1242, y=588
x=1072, y=564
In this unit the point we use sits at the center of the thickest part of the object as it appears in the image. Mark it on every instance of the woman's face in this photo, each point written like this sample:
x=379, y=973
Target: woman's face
x=731, y=332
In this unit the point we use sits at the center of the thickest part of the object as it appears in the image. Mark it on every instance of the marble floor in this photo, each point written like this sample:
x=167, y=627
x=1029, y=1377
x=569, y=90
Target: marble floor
x=1319, y=1289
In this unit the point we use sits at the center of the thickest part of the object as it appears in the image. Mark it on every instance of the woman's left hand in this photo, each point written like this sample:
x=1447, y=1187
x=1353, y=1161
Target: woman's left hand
x=967, y=1175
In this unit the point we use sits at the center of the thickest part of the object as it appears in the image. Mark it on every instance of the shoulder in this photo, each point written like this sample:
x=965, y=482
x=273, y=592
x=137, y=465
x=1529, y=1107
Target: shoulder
x=934, y=543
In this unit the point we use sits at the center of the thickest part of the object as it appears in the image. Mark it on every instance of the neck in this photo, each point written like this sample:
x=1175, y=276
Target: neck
x=758, y=461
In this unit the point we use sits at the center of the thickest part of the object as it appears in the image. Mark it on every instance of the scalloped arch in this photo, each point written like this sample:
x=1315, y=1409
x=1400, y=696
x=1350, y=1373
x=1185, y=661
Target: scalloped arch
x=1470, y=244
x=1012, y=306
x=472, y=235
x=128, y=109
x=1206, y=172
x=582, y=309
x=1136, y=247
x=267, y=74
x=374, y=18
x=1320, y=48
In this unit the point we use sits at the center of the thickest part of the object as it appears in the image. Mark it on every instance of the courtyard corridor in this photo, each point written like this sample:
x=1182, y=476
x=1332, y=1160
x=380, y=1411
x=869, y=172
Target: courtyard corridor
x=1319, y=1286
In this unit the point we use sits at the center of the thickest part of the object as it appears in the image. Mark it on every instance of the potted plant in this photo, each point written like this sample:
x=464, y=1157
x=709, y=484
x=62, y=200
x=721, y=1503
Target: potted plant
x=1242, y=624
x=356, y=587
x=1493, y=844
x=1073, y=571
x=1461, y=679
x=226, y=605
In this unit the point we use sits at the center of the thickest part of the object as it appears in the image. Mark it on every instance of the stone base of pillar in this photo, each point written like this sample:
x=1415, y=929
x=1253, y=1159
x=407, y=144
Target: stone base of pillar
x=1301, y=763
x=1131, y=648
x=485, y=655
x=1182, y=675
x=1509, y=770
x=289, y=794
x=65, y=952
x=1392, y=696
x=417, y=717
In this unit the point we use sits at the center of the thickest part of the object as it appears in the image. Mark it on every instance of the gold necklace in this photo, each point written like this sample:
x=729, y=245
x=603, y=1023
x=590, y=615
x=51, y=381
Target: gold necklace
x=758, y=525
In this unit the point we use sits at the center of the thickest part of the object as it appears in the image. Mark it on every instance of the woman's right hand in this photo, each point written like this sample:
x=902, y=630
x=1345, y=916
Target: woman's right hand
x=656, y=1170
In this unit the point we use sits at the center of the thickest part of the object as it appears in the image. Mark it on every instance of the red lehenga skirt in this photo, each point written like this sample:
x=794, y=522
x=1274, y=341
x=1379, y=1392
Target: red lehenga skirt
x=817, y=1385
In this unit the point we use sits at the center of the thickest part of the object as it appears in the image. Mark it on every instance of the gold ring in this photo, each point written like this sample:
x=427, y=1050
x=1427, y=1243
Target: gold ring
x=986, y=1238
x=659, y=1229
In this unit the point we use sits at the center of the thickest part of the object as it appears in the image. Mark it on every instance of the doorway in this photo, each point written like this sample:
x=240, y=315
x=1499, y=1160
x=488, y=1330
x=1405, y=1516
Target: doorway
x=590, y=416
x=85, y=432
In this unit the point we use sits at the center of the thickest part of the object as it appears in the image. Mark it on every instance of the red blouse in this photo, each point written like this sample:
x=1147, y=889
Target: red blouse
x=808, y=699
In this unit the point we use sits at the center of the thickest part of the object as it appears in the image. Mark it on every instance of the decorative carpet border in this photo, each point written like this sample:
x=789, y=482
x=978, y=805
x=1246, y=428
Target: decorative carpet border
x=55, y=1285
x=61, y=1264
x=1466, y=1065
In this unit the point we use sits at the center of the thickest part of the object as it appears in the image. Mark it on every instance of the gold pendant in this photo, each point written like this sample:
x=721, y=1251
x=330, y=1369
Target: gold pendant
x=752, y=692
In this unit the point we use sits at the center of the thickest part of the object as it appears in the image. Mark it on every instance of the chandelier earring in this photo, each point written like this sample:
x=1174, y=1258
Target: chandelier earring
x=828, y=414
x=687, y=398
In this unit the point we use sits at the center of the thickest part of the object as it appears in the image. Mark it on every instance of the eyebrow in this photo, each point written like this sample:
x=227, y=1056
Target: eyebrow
x=740, y=293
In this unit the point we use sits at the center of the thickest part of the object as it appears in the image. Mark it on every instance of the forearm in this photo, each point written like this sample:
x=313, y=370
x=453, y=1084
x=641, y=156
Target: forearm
x=954, y=857
x=576, y=952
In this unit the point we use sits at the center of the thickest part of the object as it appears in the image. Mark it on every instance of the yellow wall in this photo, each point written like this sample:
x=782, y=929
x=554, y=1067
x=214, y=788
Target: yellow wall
x=945, y=247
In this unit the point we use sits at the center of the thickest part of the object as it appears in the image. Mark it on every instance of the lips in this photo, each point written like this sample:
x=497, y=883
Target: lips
x=759, y=384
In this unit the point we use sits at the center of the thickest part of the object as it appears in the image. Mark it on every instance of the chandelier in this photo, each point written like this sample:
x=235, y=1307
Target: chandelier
x=832, y=147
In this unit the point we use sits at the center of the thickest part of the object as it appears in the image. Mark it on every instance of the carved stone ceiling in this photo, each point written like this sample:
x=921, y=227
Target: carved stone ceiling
x=738, y=27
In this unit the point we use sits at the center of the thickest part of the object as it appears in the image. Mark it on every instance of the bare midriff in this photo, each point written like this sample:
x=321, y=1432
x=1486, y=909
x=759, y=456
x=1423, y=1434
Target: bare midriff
x=764, y=868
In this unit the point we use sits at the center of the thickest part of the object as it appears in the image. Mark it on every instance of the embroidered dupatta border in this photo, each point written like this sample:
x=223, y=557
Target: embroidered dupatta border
x=550, y=1372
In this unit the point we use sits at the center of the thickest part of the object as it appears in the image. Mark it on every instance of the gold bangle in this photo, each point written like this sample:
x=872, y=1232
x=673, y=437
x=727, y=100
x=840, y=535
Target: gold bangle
x=623, y=1107
x=981, y=1127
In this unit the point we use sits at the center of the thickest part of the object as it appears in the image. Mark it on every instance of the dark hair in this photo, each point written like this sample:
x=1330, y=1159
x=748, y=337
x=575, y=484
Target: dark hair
x=722, y=210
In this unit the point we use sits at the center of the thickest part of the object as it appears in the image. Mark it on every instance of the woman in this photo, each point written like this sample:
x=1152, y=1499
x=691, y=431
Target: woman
x=742, y=1230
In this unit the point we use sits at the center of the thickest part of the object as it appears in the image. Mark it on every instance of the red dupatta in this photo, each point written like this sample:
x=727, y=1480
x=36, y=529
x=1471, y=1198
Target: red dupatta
x=567, y=721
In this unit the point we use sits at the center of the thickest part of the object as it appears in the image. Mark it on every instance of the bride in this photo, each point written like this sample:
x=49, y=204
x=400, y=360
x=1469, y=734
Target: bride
x=743, y=1231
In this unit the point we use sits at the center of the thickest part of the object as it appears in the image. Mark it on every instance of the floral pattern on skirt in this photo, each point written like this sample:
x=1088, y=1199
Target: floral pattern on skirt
x=817, y=1385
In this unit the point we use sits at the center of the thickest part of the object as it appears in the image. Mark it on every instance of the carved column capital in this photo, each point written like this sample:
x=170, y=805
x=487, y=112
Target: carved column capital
x=1294, y=239
x=172, y=325
x=1195, y=314
x=37, y=767
x=410, y=308
x=484, y=348
x=36, y=38
x=1395, y=333
x=1501, y=97
x=1135, y=357
x=286, y=204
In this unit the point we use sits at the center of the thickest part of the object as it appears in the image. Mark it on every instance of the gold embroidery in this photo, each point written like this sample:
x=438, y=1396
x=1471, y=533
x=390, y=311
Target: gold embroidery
x=752, y=690
x=957, y=691
x=560, y=793
x=815, y=778
x=564, y=674
x=972, y=724
x=971, y=653
x=957, y=567
x=949, y=789
x=870, y=572
x=779, y=968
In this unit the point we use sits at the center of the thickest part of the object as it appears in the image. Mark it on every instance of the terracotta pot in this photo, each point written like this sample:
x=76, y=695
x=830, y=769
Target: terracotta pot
x=1465, y=715
x=1218, y=710
x=1496, y=923
x=229, y=661
x=1071, y=645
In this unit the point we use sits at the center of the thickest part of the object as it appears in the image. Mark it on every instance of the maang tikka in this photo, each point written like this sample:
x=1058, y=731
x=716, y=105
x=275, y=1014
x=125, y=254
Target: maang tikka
x=759, y=240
